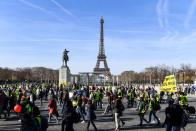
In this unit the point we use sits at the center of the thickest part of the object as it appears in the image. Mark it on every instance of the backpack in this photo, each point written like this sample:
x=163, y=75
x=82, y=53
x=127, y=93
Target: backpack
x=157, y=106
x=122, y=107
x=42, y=123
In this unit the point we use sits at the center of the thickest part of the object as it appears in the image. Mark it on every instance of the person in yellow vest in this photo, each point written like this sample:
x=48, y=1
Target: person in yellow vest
x=110, y=88
x=40, y=121
x=142, y=111
x=145, y=96
x=183, y=100
x=130, y=98
x=93, y=98
x=119, y=93
x=99, y=97
x=157, y=98
x=17, y=94
x=75, y=102
x=153, y=108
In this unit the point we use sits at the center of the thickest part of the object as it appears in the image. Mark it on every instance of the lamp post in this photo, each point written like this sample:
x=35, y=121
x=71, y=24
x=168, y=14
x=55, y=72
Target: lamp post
x=117, y=80
x=150, y=79
x=113, y=80
x=183, y=77
x=183, y=74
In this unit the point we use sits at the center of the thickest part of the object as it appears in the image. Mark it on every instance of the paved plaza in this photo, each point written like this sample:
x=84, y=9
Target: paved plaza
x=103, y=123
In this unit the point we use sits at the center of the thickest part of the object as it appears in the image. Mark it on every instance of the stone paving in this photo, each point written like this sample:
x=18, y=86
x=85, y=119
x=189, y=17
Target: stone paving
x=103, y=123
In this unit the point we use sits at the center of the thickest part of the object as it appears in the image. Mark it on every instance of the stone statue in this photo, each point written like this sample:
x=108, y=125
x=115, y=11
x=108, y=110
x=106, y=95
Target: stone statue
x=65, y=57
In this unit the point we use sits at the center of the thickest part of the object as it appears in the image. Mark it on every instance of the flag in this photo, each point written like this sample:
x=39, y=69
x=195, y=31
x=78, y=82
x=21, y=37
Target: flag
x=169, y=84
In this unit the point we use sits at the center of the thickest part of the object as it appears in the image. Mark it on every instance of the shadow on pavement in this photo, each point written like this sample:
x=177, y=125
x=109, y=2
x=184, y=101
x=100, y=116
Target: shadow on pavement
x=145, y=126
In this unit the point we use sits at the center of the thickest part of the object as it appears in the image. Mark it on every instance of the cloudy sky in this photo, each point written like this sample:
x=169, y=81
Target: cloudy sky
x=138, y=33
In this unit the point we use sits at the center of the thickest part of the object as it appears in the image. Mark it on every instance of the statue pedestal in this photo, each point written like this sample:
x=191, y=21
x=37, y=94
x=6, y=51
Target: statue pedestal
x=64, y=76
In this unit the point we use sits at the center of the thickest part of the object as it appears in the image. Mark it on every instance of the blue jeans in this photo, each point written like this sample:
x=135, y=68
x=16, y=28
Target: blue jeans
x=168, y=127
x=99, y=104
x=155, y=116
x=176, y=128
x=79, y=110
x=108, y=108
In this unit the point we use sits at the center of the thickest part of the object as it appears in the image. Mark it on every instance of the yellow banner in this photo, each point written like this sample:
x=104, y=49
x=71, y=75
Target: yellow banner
x=169, y=84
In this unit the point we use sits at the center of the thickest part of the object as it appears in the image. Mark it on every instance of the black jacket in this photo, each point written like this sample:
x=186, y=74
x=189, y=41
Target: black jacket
x=176, y=115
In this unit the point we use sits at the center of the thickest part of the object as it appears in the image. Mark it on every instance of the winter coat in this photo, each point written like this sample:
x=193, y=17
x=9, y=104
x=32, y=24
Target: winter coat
x=53, y=107
x=119, y=107
x=176, y=115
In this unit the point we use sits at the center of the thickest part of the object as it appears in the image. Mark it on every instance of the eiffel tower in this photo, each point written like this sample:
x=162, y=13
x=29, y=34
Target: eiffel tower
x=101, y=55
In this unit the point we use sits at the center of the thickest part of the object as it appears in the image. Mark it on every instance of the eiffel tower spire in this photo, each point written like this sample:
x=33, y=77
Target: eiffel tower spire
x=101, y=44
x=101, y=55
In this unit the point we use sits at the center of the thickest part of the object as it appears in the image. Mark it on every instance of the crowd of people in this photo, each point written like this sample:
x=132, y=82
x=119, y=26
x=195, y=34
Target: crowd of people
x=79, y=104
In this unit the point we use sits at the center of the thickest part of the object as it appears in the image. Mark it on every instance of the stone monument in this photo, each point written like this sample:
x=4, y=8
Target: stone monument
x=64, y=71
